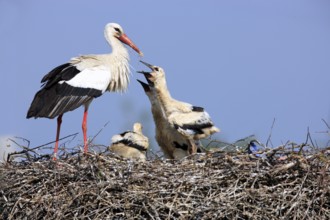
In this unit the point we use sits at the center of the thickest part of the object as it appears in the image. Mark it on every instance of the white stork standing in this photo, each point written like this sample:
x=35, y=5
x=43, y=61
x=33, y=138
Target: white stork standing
x=131, y=144
x=82, y=79
x=190, y=121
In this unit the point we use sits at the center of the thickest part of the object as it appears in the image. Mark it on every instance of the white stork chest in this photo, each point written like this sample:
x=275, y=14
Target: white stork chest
x=119, y=74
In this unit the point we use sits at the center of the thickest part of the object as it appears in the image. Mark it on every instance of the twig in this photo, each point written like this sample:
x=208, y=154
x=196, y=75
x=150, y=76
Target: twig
x=309, y=137
x=26, y=150
x=270, y=134
x=98, y=132
x=24, y=139
x=75, y=134
x=325, y=122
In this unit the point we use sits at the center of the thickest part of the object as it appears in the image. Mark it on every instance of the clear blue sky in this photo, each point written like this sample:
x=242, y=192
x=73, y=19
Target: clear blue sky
x=246, y=62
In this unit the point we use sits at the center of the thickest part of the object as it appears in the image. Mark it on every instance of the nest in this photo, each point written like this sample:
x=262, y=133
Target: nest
x=281, y=183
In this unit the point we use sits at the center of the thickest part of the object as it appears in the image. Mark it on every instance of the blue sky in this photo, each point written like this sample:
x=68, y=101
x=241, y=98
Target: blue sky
x=246, y=62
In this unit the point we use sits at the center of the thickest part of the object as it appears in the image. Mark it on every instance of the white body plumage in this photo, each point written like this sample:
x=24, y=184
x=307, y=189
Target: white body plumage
x=130, y=144
x=192, y=122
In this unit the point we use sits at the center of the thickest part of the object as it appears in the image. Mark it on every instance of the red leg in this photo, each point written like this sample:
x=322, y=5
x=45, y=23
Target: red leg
x=84, y=128
x=59, y=122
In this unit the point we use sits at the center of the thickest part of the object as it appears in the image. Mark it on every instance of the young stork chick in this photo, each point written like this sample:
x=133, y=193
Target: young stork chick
x=131, y=144
x=190, y=121
x=172, y=143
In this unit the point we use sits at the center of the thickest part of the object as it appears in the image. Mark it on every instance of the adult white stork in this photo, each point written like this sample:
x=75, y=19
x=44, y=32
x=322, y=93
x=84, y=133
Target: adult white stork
x=190, y=121
x=82, y=79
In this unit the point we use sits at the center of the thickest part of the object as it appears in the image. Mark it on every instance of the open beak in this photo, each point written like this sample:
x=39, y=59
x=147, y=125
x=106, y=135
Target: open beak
x=145, y=86
x=148, y=76
x=123, y=38
x=148, y=65
x=144, y=73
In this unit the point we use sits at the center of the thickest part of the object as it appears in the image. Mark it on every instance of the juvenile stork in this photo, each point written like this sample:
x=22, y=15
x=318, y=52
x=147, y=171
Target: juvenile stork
x=190, y=121
x=172, y=143
x=131, y=144
x=82, y=79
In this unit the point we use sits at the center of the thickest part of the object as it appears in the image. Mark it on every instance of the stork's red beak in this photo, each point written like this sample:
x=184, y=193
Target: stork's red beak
x=123, y=38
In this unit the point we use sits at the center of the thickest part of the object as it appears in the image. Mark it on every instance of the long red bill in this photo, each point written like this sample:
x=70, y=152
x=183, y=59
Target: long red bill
x=123, y=38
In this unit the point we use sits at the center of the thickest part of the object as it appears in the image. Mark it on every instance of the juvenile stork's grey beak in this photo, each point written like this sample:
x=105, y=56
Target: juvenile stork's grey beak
x=144, y=72
x=148, y=65
x=148, y=76
x=145, y=86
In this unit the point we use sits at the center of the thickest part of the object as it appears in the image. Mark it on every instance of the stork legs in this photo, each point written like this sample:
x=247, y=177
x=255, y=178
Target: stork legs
x=84, y=129
x=59, y=122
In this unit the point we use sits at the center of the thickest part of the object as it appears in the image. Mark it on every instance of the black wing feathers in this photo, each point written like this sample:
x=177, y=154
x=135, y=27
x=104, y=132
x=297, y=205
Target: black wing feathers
x=195, y=127
x=52, y=74
x=183, y=146
x=197, y=109
x=65, y=89
x=131, y=144
x=56, y=98
x=124, y=133
x=62, y=72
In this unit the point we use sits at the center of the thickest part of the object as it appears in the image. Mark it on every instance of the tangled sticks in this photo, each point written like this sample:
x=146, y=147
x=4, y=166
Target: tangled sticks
x=276, y=183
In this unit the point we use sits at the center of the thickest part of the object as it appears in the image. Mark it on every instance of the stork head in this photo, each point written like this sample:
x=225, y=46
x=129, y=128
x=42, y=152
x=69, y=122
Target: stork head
x=115, y=30
x=140, y=140
x=156, y=77
x=137, y=127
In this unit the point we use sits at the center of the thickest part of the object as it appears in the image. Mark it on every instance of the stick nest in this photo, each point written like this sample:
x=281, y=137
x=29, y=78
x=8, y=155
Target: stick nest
x=276, y=183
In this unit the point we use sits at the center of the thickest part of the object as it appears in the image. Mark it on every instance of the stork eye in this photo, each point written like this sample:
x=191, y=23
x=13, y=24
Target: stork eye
x=117, y=29
x=156, y=68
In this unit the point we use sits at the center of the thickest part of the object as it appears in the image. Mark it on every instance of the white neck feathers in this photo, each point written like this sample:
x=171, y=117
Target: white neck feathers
x=120, y=71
